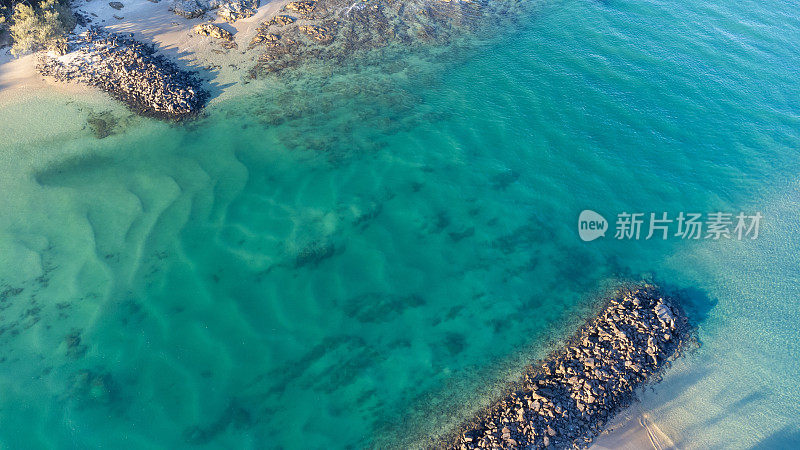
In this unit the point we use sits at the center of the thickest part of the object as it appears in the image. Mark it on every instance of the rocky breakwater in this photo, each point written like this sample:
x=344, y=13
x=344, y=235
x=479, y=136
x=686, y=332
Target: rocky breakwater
x=130, y=71
x=565, y=401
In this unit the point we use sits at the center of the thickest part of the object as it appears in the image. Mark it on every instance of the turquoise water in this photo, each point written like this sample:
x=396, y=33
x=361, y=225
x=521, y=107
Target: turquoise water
x=358, y=258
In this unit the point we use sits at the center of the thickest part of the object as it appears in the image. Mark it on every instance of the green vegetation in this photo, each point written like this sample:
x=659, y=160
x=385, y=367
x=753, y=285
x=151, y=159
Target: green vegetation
x=3, y=13
x=44, y=26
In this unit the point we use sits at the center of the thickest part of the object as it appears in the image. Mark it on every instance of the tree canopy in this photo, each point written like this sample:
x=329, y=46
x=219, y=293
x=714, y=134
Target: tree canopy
x=42, y=27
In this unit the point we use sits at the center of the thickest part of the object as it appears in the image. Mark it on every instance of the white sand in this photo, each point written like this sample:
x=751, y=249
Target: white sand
x=18, y=74
x=153, y=22
x=632, y=429
x=19, y=79
x=150, y=22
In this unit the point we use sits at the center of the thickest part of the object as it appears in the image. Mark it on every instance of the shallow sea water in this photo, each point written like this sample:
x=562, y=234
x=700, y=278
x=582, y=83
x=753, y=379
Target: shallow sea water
x=359, y=258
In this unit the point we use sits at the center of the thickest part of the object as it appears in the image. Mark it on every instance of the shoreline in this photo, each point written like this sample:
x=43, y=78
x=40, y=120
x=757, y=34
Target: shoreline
x=174, y=37
x=632, y=429
x=131, y=72
x=19, y=79
x=261, y=42
x=149, y=23
x=588, y=387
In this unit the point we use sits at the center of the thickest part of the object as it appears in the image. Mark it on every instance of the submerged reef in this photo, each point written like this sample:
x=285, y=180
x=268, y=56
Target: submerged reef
x=130, y=71
x=567, y=399
x=332, y=30
x=303, y=33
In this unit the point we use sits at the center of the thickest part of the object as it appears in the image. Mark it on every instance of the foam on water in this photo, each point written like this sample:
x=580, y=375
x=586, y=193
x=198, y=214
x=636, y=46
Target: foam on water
x=355, y=259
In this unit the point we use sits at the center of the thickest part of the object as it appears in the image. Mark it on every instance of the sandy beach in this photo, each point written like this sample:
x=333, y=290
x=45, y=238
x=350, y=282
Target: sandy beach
x=153, y=23
x=19, y=78
x=632, y=429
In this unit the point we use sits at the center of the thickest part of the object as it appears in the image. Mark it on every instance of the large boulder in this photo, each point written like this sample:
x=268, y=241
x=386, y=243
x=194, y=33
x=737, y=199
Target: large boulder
x=209, y=29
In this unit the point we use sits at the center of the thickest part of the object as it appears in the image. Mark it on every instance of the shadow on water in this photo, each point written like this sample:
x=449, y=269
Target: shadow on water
x=74, y=171
x=695, y=302
x=786, y=438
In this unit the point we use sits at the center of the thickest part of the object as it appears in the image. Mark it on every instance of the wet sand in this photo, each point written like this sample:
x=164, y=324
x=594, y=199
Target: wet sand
x=632, y=429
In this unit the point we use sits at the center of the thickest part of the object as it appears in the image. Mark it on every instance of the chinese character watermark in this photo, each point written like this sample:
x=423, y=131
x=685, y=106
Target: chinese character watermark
x=660, y=226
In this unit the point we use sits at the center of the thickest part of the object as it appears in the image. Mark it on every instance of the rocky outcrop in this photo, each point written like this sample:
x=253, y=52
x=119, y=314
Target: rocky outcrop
x=231, y=11
x=131, y=72
x=332, y=30
x=281, y=20
x=568, y=398
x=188, y=9
x=301, y=7
x=264, y=37
x=214, y=31
x=279, y=55
x=318, y=33
x=228, y=10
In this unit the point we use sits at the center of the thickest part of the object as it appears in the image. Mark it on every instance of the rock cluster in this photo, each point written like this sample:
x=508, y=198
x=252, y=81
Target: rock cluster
x=188, y=9
x=264, y=37
x=279, y=54
x=214, y=31
x=131, y=72
x=301, y=7
x=231, y=11
x=281, y=20
x=318, y=33
x=566, y=401
x=228, y=10
x=332, y=30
